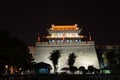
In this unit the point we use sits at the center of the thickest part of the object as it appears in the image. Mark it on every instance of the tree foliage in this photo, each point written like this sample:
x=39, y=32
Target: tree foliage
x=91, y=69
x=113, y=57
x=82, y=69
x=73, y=69
x=55, y=55
x=71, y=61
x=13, y=51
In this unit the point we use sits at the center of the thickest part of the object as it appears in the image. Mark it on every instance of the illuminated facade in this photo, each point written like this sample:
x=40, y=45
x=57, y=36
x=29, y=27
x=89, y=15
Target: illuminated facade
x=66, y=38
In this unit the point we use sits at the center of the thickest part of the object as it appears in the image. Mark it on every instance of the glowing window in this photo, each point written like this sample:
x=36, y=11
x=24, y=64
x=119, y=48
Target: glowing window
x=58, y=40
x=43, y=70
x=53, y=41
x=76, y=40
x=55, y=34
x=59, y=34
x=79, y=41
x=67, y=40
x=49, y=41
x=73, y=34
x=61, y=40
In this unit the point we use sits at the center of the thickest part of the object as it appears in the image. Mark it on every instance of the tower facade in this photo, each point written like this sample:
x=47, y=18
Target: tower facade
x=66, y=38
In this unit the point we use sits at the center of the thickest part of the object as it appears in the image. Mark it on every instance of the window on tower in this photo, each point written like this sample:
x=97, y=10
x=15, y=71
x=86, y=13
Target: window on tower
x=79, y=41
x=67, y=40
x=55, y=34
x=61, y=40
x=53, y=40
x=73, y=34
x=76, y=40
x=49, y=41
x=59, y=34
x=58, y=41
x=70, y=40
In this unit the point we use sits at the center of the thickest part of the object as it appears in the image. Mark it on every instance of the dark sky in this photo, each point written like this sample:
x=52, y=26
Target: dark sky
x=25, y=19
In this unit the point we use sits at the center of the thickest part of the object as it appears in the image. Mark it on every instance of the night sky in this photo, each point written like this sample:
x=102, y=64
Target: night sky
x=24, y=19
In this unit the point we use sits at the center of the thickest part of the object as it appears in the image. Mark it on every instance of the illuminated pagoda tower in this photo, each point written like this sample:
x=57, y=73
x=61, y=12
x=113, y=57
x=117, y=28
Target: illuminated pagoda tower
x=66, y=38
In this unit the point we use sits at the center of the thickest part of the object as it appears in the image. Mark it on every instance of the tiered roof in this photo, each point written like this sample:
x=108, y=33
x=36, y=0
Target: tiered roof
x=64, y=27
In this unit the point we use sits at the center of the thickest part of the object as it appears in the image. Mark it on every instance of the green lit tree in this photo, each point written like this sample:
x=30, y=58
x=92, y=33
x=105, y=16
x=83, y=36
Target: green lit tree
x=113, y=57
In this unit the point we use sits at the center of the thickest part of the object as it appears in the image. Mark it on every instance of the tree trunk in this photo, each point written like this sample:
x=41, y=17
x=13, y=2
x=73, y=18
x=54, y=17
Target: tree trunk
x=54, y=69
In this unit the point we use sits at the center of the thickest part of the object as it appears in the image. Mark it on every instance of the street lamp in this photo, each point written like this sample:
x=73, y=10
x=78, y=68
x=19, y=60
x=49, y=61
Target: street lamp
x=6, y=69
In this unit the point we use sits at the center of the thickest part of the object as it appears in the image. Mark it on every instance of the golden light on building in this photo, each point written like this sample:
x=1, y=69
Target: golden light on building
x=64, y=27
x=67, y=39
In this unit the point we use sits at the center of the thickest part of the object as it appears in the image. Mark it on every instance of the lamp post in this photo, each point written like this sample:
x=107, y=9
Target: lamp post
x=6, y=69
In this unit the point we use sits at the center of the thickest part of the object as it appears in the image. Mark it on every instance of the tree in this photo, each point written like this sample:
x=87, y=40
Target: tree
x=97, y=71
x=13, y=52
x=71, y=61
x=73, y=69
x=91, y=69
x=55, y=55
x=113, y=57
x=82, y=69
